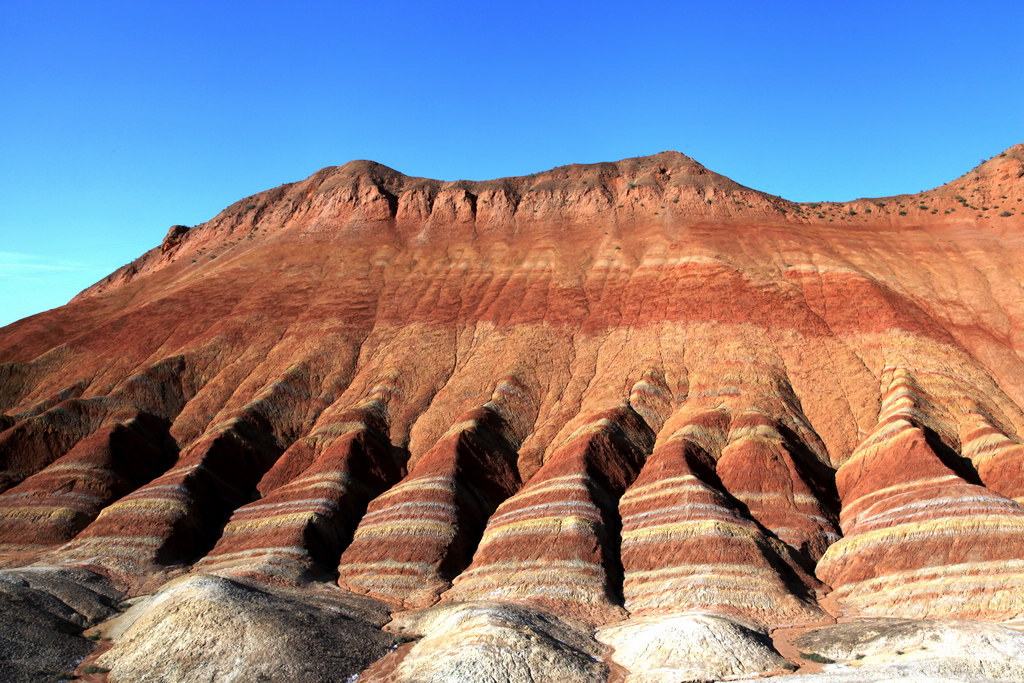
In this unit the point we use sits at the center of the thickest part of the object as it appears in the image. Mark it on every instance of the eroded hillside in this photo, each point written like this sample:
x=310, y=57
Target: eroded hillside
x=609, y=404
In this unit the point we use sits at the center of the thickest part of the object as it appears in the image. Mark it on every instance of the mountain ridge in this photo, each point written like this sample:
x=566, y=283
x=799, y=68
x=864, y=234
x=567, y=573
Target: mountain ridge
x=601, y=405
x=617, y=191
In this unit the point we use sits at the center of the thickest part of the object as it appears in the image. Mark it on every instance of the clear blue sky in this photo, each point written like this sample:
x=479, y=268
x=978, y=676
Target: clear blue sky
x=121, y=119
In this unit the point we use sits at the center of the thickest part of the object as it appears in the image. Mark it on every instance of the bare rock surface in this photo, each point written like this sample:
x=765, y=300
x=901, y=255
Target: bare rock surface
x=869, y=650
x=690, y=647
x=634, y=397
x=208, y=628
x=495, y=642
x=43, y=612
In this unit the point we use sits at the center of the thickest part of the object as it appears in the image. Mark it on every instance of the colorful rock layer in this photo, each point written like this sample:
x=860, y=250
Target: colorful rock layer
x=920, y=538
x=297, y=529
x=688, y=546
x=555, y=543
x=416, y=537
x=607, y=391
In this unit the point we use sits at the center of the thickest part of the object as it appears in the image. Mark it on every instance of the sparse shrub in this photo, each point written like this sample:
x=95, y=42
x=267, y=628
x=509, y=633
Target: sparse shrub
x=815, y=657
x=903, y=213
x=93, y=669
x=708, y=201
x=923, y=207
x=1005, y=214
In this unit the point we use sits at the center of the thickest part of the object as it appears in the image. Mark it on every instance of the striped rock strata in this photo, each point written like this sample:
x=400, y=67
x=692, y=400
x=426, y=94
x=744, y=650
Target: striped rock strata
x=176, y=516
x=310, y=499
x=416, y=537
x=688, y=546
x=630, y=394
x=554, y=544
x=54, y=505
x=920, y=540
x=46, y=429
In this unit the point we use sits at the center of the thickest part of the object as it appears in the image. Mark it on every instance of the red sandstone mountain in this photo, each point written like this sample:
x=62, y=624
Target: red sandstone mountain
x=619, y=391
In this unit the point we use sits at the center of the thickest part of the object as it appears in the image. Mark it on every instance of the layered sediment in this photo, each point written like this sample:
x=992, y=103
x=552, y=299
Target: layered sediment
x=615, y=413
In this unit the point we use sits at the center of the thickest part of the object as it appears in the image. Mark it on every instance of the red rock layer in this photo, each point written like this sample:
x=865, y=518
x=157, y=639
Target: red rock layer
x=416, y=537
x=784, y=487
x=998, y=459
x=688, y=546
x=920, y=540
x=52, y=506
x=313, y=498
x=51, y=427
x=33, y=443
x=556, y=543
x=177, y=516
x=649, y=282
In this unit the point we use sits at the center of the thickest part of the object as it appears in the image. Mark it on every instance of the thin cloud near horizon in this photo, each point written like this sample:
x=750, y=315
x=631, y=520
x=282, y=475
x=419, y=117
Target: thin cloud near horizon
x=20, y=266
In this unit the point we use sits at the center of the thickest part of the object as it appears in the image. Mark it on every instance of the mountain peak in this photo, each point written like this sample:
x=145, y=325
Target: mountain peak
x=630, y=403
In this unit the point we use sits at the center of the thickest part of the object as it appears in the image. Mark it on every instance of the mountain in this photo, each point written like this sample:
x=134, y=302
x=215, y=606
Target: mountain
x=567, y=413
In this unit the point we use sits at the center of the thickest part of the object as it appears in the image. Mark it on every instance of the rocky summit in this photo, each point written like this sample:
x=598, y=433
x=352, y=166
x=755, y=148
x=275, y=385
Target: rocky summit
x=625, y=421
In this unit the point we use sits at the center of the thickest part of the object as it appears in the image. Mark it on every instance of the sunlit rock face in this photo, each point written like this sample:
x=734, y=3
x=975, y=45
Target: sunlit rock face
x=601, y=403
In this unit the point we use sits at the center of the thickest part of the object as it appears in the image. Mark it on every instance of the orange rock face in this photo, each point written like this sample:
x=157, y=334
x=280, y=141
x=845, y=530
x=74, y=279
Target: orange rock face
x=438, y=512
x=555, y=542
x=687, y=545
x=921, y=536
x=631, y=388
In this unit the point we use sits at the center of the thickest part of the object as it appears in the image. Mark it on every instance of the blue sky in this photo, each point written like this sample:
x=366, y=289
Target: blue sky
x=121, y=119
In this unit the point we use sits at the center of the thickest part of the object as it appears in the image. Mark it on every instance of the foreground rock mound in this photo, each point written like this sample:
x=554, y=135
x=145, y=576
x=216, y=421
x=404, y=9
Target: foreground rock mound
x=205, y=628
x=489, y=641
x=925, y=650
x=43, y=613
x=690, y=648
x=632, y=399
